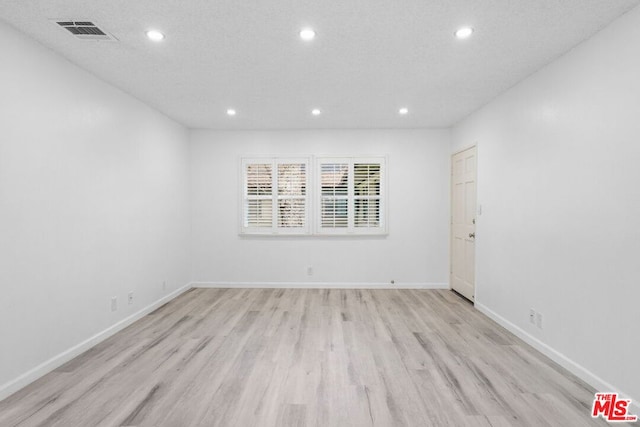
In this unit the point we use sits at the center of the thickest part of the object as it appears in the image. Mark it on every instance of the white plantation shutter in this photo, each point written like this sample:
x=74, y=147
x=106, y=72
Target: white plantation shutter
x=366, y=195
x=275, y=196
x=351, y=196
x=258, y=199
x=292, y=195
x=334, y=183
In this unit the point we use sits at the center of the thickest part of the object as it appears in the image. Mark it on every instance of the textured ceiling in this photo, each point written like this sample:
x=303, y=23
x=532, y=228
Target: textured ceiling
x=370, y=57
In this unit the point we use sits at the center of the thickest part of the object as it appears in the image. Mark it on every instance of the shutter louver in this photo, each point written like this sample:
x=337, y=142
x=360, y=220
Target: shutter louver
x=259, y=213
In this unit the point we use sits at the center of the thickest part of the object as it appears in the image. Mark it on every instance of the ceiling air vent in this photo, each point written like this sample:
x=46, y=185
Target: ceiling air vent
x=85, y=30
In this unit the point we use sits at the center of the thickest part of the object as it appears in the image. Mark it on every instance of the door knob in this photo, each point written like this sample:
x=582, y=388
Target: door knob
x=472, y=235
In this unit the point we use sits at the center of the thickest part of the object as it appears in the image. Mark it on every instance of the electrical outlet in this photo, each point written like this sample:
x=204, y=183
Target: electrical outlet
x=114, y=303
x=130, y=298
x=310, y=271
x=164, y=285
x=539, y=320
x=532, y=316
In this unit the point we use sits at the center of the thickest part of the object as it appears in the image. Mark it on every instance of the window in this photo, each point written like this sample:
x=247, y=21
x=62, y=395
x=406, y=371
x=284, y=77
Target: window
x=348, y=196
x=351, y=196
x=275, y=196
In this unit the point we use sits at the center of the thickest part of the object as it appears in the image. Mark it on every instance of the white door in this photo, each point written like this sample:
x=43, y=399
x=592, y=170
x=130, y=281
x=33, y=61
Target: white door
x=463, y=222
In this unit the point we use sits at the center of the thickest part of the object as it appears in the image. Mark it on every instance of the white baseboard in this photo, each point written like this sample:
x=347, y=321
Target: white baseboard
x=320, y=285
x=578, y=370
x=44, y=368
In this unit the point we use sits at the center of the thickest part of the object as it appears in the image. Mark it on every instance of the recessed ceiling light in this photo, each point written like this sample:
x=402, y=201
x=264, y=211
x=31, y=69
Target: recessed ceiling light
x=403, y=111
x=307, y=34
x=315, y=112
x=464, y=32
x=155, y=35
x=231, y=112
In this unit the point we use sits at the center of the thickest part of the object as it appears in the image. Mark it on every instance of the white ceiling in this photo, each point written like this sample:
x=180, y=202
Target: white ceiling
x=370, y=57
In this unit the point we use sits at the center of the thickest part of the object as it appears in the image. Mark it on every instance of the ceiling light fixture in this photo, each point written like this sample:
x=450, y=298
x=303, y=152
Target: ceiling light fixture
x=464, y=32
x=231, y=112
x=155, y=35
x=403, y=111
x=315, y=112
x=307, y=34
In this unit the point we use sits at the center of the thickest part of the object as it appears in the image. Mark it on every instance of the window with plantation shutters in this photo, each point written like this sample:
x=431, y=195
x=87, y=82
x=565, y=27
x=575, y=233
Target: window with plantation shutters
x=337, y=196
x=275, y=196
x=351, y=196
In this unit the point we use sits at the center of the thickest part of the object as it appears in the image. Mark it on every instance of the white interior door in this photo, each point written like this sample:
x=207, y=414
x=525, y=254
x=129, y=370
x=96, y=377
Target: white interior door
x=463, y=222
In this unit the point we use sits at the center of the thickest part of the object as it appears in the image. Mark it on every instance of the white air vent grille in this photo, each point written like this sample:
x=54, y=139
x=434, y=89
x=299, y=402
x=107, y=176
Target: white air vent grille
x=85, y=30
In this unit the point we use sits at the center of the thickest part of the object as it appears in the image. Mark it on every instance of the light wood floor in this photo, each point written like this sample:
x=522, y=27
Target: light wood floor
x=276, y=357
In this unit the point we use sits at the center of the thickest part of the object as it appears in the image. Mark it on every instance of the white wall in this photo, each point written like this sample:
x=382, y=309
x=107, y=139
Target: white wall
x=558, y=181
x=414, y=253
x=93, y=204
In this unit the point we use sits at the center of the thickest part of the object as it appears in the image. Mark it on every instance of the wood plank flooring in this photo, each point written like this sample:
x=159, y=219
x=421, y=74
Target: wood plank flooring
x=307, y=357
